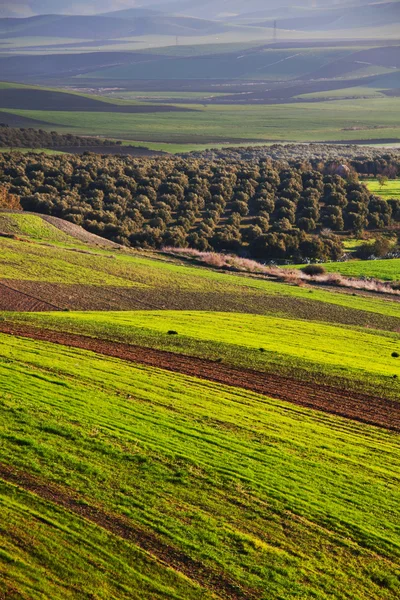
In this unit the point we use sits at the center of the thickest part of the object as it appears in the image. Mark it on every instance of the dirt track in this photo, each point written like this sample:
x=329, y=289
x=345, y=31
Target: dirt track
x=223, y=586
x=352, y=405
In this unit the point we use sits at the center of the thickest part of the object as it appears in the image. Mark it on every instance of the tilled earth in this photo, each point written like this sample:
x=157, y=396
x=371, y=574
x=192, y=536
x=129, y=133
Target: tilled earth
x=358, y=406
x=59, y=296
x=16, y=300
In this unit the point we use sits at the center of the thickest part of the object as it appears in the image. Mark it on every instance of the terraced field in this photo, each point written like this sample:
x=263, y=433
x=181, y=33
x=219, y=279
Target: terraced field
x=214, y=435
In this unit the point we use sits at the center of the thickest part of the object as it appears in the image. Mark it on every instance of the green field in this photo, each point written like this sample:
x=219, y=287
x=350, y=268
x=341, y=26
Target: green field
x=391, y=189
x=52, y=258
x=28, y=150
x=33, y=227
x=180, y=425
x=120, y=480
x=281, y=501
x=306, y=122
x=386, y=269
x=349, y=92
x=47, y=552
x=363, y=116
x=318, y=350
x=271, y=314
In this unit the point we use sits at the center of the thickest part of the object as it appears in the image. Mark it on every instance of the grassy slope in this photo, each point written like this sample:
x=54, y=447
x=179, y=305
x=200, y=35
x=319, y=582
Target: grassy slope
x=388, y=269
x=58, y=264
x=33, y=227
x=49, y=255
x=235, y=337
x=47, y=552
x=324, y=121
x=318, y=350
x=287, y=502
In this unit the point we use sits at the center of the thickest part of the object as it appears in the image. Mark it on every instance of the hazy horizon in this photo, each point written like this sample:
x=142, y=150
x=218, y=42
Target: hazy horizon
x=26, y=8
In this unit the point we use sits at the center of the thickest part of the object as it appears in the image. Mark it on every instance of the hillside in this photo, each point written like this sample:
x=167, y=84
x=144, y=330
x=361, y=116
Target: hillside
x=186, y=445
x=195, y=116
x=29, y=7
x=345, y=17
x=45, y=257
x=150, y=485
x=199, y=300
x=103, y=27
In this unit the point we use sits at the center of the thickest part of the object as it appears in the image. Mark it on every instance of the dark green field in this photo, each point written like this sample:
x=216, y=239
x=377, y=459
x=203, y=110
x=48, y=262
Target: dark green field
x=337, y=120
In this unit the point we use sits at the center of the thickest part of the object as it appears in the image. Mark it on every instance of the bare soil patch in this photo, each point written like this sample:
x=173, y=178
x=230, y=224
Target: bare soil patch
x=78, y=232
x=11, y=299
x=357, y=406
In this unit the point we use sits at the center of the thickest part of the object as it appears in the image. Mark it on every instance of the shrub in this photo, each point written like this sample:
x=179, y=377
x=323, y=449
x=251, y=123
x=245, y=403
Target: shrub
x=172, y=332
x=9, y=201
x=395, y=355
x=313, y=270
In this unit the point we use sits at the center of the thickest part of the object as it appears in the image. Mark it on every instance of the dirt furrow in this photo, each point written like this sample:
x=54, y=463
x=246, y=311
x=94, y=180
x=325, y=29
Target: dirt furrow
x=206, y=577
x=358, y=406
x=22, y=301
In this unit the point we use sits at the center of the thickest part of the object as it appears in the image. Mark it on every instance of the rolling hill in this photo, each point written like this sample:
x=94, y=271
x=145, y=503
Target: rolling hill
x=184, y=413
x=327, y=18
x=173, y=439
x=27, y=8
x=258, y=9
x=274, y=63
x=105, y=28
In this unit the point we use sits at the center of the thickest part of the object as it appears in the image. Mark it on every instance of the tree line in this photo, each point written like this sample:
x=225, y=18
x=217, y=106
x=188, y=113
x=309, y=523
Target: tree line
x=12, y=137
x=370, y=161
x=263, y=209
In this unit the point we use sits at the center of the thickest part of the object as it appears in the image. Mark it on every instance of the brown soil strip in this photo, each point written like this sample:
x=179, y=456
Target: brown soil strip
x=357, y=406
x=15, y=300
x=146, y=540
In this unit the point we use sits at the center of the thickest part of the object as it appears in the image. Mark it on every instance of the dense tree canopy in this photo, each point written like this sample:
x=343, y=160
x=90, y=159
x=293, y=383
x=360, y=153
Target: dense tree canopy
x=12, y=137
x=265, y=209
x=368, y=161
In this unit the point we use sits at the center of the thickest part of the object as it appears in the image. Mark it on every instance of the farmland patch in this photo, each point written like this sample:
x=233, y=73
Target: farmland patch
x=165, y=453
